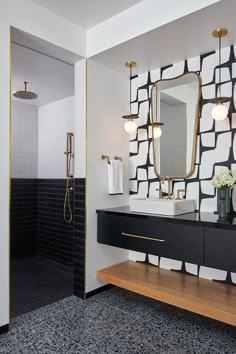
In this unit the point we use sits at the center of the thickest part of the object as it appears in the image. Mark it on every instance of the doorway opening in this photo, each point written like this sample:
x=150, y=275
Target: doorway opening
x=42, y=174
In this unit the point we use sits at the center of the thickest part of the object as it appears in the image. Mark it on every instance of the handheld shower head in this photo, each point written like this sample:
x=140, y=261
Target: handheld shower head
x=25, y=95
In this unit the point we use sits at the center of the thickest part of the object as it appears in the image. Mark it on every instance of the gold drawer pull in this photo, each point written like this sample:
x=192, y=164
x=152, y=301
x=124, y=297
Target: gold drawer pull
x=146, y=238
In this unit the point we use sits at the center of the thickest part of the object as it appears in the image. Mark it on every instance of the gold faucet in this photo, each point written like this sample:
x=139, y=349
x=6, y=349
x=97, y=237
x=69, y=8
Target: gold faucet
x=169, y=185
x=160, y=192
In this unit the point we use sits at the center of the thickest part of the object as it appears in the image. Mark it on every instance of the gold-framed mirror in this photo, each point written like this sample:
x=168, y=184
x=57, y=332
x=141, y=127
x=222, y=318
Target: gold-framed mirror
x=175, y=117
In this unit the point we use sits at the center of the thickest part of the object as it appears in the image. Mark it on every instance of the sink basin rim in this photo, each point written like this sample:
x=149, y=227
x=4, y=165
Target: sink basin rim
x=158, y=206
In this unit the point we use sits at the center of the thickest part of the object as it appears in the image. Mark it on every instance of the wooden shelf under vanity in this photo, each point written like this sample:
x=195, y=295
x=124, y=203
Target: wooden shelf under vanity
x=212, y=299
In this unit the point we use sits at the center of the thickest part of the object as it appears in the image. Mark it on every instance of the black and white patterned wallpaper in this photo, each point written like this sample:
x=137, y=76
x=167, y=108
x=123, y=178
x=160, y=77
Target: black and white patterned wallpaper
x=216, y=147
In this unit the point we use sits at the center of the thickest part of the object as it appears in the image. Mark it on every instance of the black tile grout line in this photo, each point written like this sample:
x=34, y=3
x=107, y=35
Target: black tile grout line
x=45, y=262
x=47, y=295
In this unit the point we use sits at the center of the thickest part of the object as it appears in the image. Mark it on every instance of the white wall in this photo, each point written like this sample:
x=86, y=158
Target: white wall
x=80, y=91
x=24, y=138
x=5, y=173
x=55, y=120
x=36, y=20
x=31, y=18
x=107, y=102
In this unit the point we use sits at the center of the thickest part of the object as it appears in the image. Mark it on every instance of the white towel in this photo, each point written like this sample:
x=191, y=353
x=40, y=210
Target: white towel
x=115, y=177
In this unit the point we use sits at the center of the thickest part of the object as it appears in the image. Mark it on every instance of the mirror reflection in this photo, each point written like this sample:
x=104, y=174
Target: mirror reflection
x=174, y=112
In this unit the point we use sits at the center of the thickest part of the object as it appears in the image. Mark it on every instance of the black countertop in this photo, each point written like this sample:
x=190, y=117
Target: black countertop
x=200, y=219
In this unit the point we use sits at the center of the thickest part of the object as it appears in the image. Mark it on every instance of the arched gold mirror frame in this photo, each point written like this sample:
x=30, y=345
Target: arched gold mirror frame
x=193, y=159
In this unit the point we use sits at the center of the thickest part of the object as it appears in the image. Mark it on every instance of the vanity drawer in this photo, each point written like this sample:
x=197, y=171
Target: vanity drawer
x=220, y=249
x=150, y=235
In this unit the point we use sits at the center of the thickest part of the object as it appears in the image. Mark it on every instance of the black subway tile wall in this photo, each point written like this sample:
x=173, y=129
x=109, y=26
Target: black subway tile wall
x=38, y=226
x=55, y=236
x=79, y=237
x=23, y=224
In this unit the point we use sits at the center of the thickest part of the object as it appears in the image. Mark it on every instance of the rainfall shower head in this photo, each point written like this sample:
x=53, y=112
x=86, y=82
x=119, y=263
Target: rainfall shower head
x=25, y=95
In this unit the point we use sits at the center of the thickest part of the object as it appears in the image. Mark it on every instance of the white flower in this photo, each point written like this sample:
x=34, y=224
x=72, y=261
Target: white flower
x=223, y=179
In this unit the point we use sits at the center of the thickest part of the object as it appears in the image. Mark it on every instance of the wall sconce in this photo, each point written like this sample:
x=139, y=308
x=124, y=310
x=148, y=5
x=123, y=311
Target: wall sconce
x=157, y=130
x=219, y=111
x=156, y=126
x=130, y=126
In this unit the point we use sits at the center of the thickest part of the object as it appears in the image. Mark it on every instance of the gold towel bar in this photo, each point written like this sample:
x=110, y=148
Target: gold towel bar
x=118, y=158
x=106, y=157
x=144, y=237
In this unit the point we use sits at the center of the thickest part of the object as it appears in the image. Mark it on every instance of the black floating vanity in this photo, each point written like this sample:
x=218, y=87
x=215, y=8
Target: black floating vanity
x=198, y=238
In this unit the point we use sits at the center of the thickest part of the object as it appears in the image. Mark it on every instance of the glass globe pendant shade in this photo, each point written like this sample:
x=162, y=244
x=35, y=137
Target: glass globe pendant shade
x=157, y=132
x=219, y=112
x=130, y=126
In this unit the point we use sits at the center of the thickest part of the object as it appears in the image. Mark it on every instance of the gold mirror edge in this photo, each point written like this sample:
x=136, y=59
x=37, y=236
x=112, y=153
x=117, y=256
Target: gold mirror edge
x=194, y=154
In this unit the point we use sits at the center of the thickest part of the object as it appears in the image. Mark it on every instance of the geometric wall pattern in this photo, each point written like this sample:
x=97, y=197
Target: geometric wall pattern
x=216, y=146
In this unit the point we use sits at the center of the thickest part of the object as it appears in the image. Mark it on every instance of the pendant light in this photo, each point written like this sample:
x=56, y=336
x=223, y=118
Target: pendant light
x=220, y=110
x=157, y=132
x=130, y=126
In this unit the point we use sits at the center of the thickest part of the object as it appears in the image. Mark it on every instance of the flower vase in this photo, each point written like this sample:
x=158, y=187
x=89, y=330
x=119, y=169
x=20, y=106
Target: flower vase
x=223, y=202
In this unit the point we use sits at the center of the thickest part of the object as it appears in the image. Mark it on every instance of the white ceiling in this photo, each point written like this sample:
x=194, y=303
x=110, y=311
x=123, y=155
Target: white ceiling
x=87, y=13
x=184, y=38
x=51, y=79
x=42, y=46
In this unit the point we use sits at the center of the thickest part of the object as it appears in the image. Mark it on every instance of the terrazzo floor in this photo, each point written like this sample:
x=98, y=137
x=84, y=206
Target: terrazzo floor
x=116, y=321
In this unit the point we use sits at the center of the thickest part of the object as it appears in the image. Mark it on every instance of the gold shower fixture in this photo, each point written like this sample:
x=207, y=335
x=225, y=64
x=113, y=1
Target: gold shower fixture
x=25, y=95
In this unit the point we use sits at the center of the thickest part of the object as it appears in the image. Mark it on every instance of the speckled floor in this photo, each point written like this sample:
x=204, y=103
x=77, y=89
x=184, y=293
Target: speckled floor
x=116, y=321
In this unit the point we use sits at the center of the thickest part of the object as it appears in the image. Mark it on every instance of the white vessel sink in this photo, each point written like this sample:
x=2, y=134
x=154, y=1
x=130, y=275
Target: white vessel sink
x=162, y=206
